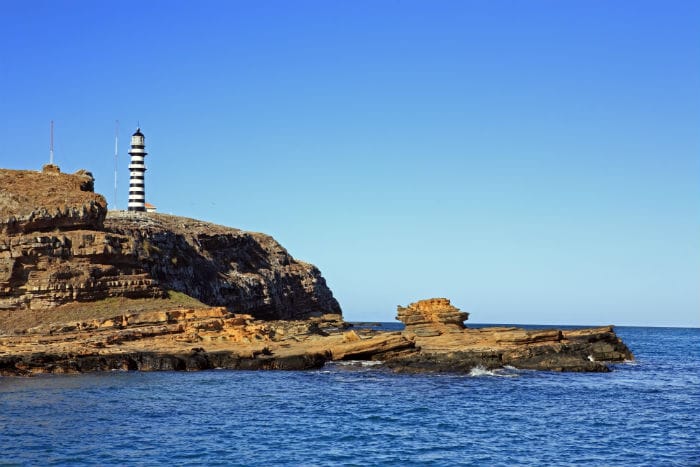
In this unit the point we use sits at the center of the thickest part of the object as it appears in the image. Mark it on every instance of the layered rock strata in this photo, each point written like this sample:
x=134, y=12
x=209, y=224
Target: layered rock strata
x=53, y=248
x=247, y=272
x=204, y=338
x=443, y=344
x=58, y=245
x=188, y=339
x=431, y=317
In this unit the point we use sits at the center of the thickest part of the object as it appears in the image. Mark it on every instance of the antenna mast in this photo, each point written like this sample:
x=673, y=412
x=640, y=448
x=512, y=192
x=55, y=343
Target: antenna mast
x=116, y=157
x=51, y=147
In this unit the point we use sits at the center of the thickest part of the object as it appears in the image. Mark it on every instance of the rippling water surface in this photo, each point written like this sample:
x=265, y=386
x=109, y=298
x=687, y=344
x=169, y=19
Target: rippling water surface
x=644, y=413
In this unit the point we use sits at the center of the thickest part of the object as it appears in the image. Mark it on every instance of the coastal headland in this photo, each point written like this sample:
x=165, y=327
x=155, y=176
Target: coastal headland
x=83, y=289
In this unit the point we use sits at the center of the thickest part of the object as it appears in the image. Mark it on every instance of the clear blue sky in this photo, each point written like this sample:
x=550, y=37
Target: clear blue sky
x=534, y=161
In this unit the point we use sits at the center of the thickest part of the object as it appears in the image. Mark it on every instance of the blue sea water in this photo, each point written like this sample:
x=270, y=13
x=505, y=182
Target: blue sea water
x=645, y=413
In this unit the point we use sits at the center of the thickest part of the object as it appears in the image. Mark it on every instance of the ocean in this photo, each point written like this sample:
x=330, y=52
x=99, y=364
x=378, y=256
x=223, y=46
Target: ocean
x=644, y=413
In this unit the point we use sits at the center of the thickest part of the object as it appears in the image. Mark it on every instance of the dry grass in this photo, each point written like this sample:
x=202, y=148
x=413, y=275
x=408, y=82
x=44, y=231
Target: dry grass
x=22, y=191
x=11, y=320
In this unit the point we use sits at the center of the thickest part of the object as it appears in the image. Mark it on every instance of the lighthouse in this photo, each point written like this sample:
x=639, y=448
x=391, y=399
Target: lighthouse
x=137, y=169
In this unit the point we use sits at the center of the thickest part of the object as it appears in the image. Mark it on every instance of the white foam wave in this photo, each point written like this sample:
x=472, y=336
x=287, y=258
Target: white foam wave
x=505, y=372
x=363, y=363
x=481, y=371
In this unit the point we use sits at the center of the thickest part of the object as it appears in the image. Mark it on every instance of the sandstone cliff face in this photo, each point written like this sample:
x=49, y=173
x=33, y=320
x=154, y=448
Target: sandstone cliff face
x=56, y=247
x=52, y=246
x=44, y=270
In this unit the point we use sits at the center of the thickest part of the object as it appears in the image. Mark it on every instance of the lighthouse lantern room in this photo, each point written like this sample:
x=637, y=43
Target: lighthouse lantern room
x=137, y=169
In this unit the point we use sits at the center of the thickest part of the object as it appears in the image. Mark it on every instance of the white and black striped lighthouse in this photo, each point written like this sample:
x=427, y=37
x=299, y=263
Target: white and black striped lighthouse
x=137, y=170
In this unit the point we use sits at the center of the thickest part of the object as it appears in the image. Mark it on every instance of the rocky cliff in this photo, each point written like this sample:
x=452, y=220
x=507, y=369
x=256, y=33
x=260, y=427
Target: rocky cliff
x=59, y=246
x=62, y=254
x=244, y=271
x=211, y=337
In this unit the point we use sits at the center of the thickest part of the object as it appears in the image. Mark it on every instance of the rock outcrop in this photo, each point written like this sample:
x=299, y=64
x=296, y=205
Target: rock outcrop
x=56, y=247
x=432, y=317
x=34, y=202
x=204, y=338
x=53, y=248
x=443, y=344
x=247, y=272
x=186, y=339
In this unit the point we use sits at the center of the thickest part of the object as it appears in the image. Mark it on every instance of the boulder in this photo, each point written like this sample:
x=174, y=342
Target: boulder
x=432, y=317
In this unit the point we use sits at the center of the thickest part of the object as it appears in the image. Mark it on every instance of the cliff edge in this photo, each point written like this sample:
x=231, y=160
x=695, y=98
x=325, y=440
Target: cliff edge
x=246, y=272
x=59, y=246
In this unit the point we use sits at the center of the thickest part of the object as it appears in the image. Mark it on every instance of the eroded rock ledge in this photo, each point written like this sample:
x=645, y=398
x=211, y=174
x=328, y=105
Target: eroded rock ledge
x=443, y=343
x=205, y=338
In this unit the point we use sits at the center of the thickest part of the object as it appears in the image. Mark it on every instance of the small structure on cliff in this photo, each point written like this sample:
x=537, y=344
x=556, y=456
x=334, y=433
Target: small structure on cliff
x=137, y=170
x=432, y=317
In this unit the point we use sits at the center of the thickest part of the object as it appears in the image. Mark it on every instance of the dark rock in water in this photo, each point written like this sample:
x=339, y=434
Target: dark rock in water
x=453, y=362
x=155, y=361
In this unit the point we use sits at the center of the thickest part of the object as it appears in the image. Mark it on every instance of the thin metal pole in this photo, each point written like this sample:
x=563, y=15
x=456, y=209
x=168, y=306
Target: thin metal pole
x=116, y=159
x=51, y=148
